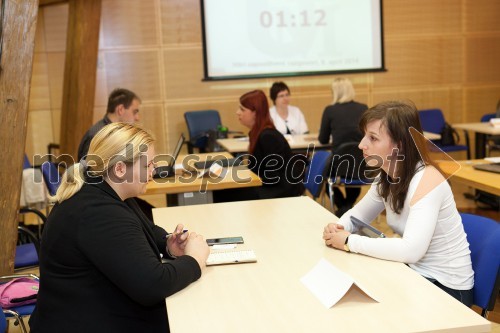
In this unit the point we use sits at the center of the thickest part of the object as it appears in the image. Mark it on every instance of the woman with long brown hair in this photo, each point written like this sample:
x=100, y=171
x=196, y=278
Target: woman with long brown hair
x=418, y=201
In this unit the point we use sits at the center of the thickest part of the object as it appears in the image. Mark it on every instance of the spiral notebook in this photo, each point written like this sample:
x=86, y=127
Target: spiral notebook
x=231, y=257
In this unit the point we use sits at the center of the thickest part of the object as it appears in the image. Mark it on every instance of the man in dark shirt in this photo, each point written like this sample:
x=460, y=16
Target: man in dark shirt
x=123, y=106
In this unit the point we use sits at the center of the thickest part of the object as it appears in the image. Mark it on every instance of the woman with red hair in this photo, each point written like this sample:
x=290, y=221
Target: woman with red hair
x=270, y=156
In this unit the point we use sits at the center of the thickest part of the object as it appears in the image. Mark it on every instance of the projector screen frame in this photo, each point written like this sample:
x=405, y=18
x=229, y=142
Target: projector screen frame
x=208, y=77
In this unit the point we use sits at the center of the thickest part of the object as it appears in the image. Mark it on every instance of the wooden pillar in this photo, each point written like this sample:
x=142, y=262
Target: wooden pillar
x=79, y=73
x=17, y=29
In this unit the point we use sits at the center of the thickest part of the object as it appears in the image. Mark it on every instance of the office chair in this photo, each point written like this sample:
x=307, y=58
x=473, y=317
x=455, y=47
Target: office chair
x=348, y=169
x=27, y=249
x=483, y=235
x=433, y=121
x=199, y=123
x=317, y=173
x=3, y=321
x=492, y=141
x=18, y=312
x=51, y=177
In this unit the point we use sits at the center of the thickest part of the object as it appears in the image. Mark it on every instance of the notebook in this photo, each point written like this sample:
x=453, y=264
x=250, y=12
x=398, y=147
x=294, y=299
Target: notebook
x=168, y=170
x=490, y=167
x=365, y=229
x=224, y=162
x=231, y=257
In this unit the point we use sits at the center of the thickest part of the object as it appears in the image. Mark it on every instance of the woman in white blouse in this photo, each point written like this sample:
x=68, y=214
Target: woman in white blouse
x=418, y=201
x=288, y=119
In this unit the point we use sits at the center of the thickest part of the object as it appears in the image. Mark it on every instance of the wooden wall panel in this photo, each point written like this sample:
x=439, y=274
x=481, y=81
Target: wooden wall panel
x=426, y=61
x=481, y=66
x=482, y=15
x=40, y=132
x=39, y=92
x=55, y=20
x=153, y=120
x=134, y=70
x=479, y=101
x=449, y=100
x=417, y=17
x=129, y=22
x=55, y=62
x=180, y=22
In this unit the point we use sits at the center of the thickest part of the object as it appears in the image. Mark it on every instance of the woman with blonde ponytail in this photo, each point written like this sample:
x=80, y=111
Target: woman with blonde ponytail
x=101, y=258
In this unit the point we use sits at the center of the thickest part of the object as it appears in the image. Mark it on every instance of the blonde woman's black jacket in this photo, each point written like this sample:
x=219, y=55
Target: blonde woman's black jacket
x=101, y=269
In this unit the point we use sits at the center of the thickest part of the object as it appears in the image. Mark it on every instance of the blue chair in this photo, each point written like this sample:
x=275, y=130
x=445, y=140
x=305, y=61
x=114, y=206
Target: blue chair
x=51, y=177
x=19, y=312
x=3, y=321
x=492, y=142
x=199, y=123
x=316, y=173
x=433, y=121
x=26, y=253
x=348, y=169
x=483, y=235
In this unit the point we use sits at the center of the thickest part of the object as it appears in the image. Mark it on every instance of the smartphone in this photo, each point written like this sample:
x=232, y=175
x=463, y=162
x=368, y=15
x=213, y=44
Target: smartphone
x=225, y=240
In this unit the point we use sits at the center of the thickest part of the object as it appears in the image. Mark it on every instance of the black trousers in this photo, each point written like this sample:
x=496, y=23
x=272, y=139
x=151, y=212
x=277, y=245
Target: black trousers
x=463, y=296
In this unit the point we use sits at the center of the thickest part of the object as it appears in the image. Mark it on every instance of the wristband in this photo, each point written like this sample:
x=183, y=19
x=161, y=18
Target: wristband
x=346, y=246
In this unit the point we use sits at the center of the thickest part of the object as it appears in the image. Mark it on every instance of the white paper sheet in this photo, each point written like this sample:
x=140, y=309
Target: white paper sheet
x=328, y=283
x=493, y=159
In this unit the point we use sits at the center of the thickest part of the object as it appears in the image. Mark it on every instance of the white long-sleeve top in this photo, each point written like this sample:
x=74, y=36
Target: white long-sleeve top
x=295, y=120
x=433, y=241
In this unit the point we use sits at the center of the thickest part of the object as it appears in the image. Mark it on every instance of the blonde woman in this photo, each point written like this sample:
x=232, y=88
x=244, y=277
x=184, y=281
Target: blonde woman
x=340, y=122
x=101, y=257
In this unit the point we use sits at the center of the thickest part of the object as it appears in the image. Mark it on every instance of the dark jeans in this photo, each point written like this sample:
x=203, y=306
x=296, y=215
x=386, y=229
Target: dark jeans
x=463, y=296
x=345, y=203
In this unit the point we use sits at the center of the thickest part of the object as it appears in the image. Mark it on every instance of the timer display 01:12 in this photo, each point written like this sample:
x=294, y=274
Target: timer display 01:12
x=305, y=19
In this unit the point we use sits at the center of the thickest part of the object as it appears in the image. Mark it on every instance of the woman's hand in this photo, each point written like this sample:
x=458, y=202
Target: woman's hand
x=176, y=241
x=197, y=248
x=335, y=235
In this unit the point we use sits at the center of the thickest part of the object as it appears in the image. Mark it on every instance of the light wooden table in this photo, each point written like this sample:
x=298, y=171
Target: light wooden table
x=267, y=296
x=481, y=130
x=296, y=142
x=192, y=190
x=466, y=174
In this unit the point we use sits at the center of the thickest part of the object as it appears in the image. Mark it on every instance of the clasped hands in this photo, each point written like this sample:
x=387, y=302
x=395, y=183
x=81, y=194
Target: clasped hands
x=335, y=235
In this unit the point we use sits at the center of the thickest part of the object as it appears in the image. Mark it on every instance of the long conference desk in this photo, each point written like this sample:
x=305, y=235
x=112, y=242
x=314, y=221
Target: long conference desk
x=187, y=189
x=463, y=172
x=267, y=296
x=296, y=142
x=481, y=130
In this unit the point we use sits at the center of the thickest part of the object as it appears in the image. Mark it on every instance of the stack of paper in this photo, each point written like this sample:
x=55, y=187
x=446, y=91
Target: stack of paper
x=495, y=122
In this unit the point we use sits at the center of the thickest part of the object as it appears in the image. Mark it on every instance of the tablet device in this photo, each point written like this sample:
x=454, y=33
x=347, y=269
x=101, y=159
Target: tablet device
x=364, y=229
x=225, y=240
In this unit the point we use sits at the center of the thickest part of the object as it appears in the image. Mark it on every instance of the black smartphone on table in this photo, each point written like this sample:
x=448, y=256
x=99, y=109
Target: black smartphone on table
x=225, y=240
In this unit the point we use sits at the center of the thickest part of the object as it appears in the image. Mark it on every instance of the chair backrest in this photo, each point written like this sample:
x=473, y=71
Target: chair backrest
x=26, y=162
x=27, y=252
x=199, y=123
x=432, y=120
x=485, y=118
x=3, y=321
x=51, y=177
x=316, y=172
x=483, y=235
x=348, y=162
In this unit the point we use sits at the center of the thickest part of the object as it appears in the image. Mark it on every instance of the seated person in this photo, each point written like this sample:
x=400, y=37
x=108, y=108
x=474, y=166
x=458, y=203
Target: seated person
x=418, y=201
x=287, y=119
x=340, y=123
x=270, y=156
x=101, y=258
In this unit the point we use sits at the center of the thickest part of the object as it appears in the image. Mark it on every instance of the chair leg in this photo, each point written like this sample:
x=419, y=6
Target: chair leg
x=18, y=318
